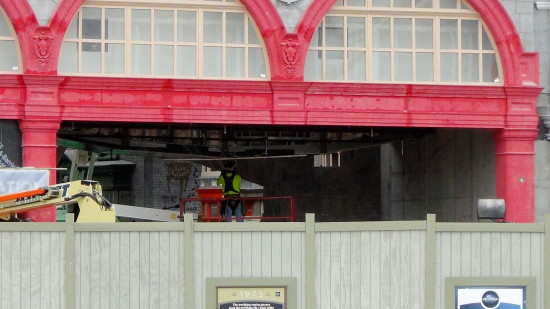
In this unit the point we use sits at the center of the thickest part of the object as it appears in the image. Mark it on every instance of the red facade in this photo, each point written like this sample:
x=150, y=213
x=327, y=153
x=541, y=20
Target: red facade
x=40, y=99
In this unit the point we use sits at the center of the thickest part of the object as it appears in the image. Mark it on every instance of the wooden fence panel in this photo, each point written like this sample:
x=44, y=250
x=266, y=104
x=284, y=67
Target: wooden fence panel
x=370, y=269
x=247, y=254
x=489, y=254
x=32, y=269
x=118, y=270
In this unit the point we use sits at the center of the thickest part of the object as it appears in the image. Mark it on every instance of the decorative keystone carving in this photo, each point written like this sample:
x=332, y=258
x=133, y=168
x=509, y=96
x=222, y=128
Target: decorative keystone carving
x=42, y=44
x=291, y=55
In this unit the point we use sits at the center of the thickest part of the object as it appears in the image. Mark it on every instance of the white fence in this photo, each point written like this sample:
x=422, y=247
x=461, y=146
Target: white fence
x=335, y=265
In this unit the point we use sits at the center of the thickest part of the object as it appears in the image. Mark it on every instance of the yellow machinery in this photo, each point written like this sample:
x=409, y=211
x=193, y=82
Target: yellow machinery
x=89, y=205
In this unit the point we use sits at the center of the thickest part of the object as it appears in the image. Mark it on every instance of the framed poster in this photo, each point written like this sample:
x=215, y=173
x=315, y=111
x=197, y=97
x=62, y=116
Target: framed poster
x=250, y=293
x=490, y=293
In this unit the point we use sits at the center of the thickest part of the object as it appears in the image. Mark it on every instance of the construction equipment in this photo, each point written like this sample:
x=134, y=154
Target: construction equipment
x=84, y=195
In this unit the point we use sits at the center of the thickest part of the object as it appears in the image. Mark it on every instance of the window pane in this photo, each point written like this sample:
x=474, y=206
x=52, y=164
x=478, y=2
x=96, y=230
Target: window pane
x=317, y=39
x=423, y=4
x=424, y=33
x=314, y=65
x=447, y=4
x=72, y=31
x=334, y=31
x=91, y=57
x=448, y=35
x=187, y=61
x=381, y=64
x=356, y=32
x=114, y=58
x=380, y=32
x=403, y=32
x=234, y=62
x=212, y=28
x=470, y=67
x=114, y=24
x=212, y=67
x=253, y=37
x=487, y=45
x=69, y=54
x=187, y=26
x=141, y=25
x=234, y=29
x=335, y=65
x=424, y=67
x=402, y=3
x=256, y=63
x=164, y=26
x=449, y=67
x=91, y=23
x=402, y=70
x=356, y=66
x=8, y=61
x=490, y=69
x=141, y=59
x=470, y=35
x=381, y=3
x=164, y=60
x=356, y=2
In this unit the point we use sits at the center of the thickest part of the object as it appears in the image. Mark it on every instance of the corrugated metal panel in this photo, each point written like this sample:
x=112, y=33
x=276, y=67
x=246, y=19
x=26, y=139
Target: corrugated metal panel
x=371, y=269
x=248, y=254
x=117, y=270
x=32, y=267
x=489, y=254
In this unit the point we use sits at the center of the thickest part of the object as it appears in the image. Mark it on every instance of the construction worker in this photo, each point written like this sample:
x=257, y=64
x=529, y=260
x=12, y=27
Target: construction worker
x=230, y=182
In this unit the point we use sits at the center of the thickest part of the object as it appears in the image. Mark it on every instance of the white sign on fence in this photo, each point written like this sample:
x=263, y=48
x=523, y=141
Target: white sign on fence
x=17, y=180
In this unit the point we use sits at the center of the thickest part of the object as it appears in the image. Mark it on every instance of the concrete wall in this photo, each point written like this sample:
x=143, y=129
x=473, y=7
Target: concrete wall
x=444, y=173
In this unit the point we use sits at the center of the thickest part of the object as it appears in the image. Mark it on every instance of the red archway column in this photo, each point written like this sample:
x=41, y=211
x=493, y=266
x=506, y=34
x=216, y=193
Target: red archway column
x=515, y=157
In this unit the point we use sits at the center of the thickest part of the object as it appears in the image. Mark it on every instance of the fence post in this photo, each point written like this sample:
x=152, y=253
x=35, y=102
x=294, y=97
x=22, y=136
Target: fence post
x=429, y=292
x=189, y=261
x=69, y=261
x=546, y=278
x=310, y=260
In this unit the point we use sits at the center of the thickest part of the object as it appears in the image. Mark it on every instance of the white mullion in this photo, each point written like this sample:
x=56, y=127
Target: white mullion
x=324, y=51
x=346, y=47
x=174, y=43
x=392, y=48
x=79, y=44
x=200, y=43
x=103, y=43
x=127, y=41
x=224, y=44
x=370, y=48
x=459, y=49
x=246, y=44
x=480, y=51
x=152, y=42
x=437, y=48
x=414, y=49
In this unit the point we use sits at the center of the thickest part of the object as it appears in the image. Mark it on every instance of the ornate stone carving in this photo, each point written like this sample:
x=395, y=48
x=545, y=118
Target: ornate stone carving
x=291, y=55
x=42, y=44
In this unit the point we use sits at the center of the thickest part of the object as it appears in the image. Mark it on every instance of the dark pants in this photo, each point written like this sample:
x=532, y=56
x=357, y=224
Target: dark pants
x=230, y=208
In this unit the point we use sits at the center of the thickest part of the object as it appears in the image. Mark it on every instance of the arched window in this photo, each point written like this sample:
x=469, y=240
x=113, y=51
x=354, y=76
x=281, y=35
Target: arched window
x=403, y=41
x=188, y=39
x=9, y=55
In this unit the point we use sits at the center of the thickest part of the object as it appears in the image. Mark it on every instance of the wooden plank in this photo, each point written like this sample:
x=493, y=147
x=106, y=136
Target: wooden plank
x=45, y=269
x=485, y=254
x=297, y=263
x=247, y=255
x=217, y=258
x=106, y=267
x=154, y=269
x=365, y=274
x=124, y=266
x=235, y=256
x=376, y=268
x=257, y=250
x=95, y=270
x=225, y=254
x=405, y=268
x=505, y=254
x=114, y=274
x=181, y=270
x=537, y=263
x=495, y=245
x=356, y=272
x=25, y=271
x=276, y=254
x=15, y=265
x=465, y=254
x=286, y=254
x=345, y=270
x=394, y=268
x=56, y=292
x=456, y=254
x=144, y=264
x=135, y=270
x=35, y=271
x=416, y=276
x=476, y=254
x=515, y=271
x=266, y=254
x=525, y=249
x=175, y=264
x=335, y=267
x=5, y=267
x=386, y=291
x=324, y=273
